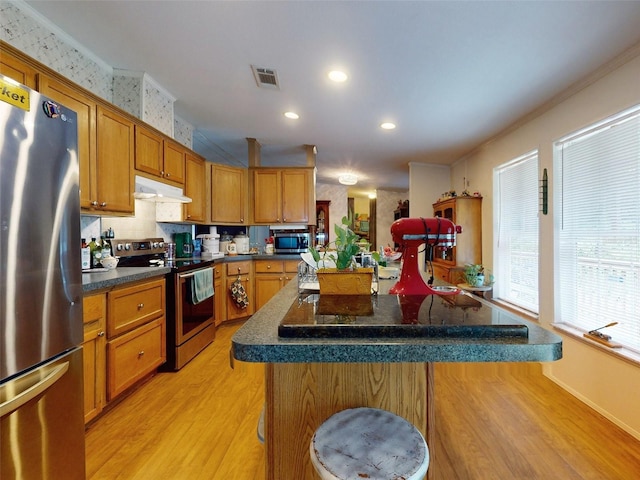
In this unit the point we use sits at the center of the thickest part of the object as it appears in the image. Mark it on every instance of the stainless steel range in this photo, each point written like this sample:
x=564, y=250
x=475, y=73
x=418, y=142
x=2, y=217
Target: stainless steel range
x=190, y=319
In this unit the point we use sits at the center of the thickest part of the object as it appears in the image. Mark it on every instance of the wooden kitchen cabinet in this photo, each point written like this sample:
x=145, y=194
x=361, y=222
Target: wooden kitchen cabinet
x=220, y=293
x=158, y=157
x=136, y=333
x=282, y=195
x=243, y=271
x=195, y=187
x=94, y=354
x=85, y=108
x=134, y=355
x=228, y=195
x=270, y=276
x=174, y=158
x=114, y=171
x=15, y=68
x=448, y=263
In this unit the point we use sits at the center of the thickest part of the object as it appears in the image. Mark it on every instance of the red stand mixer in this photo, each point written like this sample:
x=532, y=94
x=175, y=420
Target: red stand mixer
x=410, y=233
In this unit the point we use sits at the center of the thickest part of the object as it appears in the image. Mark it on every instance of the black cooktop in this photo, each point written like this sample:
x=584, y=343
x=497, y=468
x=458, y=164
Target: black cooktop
x=358, y=316
x=185, y=264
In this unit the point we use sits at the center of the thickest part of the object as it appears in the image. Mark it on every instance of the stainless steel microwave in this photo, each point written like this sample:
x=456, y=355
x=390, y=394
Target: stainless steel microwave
x=291, y=242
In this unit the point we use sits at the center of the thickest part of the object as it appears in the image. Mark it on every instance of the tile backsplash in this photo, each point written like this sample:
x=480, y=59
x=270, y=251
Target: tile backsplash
x=142, y=225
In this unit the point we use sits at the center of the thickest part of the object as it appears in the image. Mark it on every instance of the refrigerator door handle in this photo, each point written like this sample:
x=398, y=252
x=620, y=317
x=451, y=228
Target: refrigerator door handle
x=32, y=392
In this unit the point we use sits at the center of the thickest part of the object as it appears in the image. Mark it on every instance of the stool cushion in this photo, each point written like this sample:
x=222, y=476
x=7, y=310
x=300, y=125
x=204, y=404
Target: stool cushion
x=368, y=443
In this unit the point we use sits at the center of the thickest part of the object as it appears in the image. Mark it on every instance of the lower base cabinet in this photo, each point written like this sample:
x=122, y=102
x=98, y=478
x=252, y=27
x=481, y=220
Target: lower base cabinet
x=239, y=271
x=94, y=318
x=135, y=354
x=448, y=274
x=271, y=276
x=124, y=340
x=220, y=293
x=136, y=333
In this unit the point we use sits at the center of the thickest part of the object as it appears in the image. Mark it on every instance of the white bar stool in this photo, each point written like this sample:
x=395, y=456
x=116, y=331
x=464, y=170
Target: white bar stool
x=368, y=443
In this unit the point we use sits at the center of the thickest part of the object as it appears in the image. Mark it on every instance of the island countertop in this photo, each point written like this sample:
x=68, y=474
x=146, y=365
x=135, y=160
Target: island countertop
x=258, y=341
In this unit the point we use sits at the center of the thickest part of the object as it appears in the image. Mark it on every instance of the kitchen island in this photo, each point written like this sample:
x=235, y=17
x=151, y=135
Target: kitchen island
x=309, y=379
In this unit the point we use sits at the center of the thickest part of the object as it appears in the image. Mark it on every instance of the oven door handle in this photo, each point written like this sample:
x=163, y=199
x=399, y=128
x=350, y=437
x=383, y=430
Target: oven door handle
x=191, y=274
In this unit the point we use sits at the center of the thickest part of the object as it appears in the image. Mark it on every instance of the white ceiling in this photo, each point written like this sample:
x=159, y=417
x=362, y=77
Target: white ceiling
x=450, y=74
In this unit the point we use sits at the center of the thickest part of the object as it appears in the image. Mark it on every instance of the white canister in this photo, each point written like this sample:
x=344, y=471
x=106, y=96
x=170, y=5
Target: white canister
x=242, y=243
x=210, y=243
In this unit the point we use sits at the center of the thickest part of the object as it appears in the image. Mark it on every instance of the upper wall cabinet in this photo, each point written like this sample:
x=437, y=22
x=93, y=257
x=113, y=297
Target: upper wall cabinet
x=15, y=68
x=282, y=195
x=85, y=108
x=159, y=157
x=228, y=195
x=115, y=152
x=195, y=188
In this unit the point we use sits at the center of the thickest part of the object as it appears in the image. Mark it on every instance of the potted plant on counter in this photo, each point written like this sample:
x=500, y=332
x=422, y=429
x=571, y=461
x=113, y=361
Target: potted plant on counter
x=338, y=272
x=474, y=276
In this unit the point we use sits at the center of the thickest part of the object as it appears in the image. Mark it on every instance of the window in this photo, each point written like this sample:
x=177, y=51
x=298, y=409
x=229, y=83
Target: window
x=516, y=254
x=597, y=230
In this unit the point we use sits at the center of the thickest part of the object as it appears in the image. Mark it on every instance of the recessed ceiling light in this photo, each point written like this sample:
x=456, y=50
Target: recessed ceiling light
x=338, y=76
x=348, y=179
x=292, y=115
x=388, y=125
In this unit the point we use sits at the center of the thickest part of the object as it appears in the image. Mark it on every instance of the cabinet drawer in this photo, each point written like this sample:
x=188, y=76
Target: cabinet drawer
x=238, y=268
x=441, y=273
x=133, y=306
x=134, y=355
x=269, y=266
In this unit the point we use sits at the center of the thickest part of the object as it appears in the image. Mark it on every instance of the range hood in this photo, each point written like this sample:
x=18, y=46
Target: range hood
x=154, y=191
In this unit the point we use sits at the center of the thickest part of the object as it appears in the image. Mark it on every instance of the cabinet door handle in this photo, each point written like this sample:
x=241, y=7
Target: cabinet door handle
x=94, y=203
x=101, y=333
x=140, y=306
x=140, y=353
x=103, y=204
x=168, y=175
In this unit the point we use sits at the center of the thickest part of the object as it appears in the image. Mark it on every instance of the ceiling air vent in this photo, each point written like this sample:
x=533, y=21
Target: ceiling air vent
x=266, y=77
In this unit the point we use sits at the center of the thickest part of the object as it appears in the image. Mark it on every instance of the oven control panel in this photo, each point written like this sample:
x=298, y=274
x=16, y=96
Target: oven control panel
x=124, y=247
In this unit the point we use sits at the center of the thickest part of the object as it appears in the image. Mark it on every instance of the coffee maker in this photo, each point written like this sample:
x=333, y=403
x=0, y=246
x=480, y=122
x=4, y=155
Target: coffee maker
x=184, y=245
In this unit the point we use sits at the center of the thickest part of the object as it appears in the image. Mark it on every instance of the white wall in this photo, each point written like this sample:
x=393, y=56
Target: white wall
x=386, y=204
x=608, y=383
x=426, y=184
x=338, y=207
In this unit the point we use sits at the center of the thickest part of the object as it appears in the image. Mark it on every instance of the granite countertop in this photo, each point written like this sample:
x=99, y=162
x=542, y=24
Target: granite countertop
x=101, y=280
x=262, y=256
x=258, y=341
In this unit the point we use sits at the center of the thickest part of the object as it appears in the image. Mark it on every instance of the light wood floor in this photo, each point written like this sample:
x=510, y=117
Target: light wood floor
x=494, y=422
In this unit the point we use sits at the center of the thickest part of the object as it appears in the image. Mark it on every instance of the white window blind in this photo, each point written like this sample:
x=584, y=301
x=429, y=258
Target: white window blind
x=598, y=237
x=516, y=190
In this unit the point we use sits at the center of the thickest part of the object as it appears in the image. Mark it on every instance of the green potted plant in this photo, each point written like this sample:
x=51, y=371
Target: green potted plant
x=474, y=275
x=341, y=253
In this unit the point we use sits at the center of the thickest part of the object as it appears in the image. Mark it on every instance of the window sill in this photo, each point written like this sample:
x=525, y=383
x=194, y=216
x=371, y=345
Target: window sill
x=622, y=353
x=526, y=314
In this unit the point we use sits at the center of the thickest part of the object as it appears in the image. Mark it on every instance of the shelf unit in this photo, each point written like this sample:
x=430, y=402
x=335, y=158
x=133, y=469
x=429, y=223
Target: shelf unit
x=323, y=224
x=449, y=262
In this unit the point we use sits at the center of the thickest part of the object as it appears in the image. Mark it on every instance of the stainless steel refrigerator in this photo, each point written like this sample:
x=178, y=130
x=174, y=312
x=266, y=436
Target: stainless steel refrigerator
x=41, y=386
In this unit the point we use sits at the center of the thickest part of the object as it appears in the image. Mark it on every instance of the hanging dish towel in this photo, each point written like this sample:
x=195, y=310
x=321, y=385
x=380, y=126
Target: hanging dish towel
x=239, y=294
x=201, y=285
